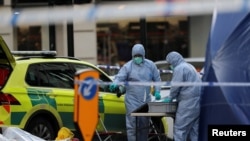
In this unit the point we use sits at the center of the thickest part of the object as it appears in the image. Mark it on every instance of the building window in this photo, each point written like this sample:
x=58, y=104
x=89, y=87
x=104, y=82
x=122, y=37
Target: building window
x=29, y=38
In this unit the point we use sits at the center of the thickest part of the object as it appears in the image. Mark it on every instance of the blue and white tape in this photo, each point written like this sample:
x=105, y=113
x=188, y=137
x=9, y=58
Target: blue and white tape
x=168, y=83
x=119, y=10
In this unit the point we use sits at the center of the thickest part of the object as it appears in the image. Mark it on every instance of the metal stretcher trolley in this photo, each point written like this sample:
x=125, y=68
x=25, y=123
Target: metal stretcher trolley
x=155, y=109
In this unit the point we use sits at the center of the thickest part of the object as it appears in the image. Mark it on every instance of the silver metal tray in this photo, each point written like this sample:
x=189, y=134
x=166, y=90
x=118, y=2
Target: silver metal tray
x=162, y=107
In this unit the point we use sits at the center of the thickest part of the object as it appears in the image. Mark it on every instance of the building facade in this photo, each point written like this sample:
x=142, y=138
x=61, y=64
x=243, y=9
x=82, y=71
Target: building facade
x=98, y=42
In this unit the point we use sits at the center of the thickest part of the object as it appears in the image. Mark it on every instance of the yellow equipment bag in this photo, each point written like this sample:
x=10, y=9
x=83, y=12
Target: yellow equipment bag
x=64, y=133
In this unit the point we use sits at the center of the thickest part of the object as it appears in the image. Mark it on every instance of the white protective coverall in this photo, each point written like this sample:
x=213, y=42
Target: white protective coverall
x=137, y=95
x=188, y=97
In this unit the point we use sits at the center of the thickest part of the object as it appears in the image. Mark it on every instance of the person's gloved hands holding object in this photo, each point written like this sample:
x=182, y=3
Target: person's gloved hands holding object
x=121, y=90
x=157, y=95
x=167, y=100
x=113, y=87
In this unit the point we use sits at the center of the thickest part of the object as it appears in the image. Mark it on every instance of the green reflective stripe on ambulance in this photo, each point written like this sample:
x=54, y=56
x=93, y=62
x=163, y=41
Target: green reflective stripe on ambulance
x=40, y=96
x=16, y=117
x=67, y=119
x=101, y=105
x=115, y=122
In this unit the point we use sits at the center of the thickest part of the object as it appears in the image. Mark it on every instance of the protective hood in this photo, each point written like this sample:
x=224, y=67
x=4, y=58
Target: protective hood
x=138, y=49
x=174, y=58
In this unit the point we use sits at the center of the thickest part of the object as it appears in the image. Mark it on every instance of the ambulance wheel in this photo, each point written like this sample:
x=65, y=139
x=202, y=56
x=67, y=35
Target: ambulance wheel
x=42, y=128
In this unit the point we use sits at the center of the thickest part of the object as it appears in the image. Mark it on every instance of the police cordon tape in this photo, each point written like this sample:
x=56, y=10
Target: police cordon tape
x=118, y=10
x=111, y=67
x=168, y=83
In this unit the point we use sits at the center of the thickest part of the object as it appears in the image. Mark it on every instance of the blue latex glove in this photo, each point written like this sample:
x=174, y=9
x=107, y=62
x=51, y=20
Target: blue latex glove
x=113, y=87
x=157, y=95
x=167, y=100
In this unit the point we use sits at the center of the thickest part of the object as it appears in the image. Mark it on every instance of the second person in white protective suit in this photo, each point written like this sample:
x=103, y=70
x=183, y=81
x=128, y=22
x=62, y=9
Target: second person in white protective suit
x=188, y=98
x=139, y=69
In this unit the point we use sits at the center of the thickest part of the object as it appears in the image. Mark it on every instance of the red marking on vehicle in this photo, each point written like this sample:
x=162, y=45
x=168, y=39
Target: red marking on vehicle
x=7, y=108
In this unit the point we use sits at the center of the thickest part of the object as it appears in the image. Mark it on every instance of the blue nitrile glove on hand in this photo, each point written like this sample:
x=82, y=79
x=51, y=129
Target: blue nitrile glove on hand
x=157, y=95
x=113, y=87
x=167, y=100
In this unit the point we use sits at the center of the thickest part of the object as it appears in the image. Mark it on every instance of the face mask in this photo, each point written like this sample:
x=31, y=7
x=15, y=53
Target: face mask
x=171, y=67
x=138, y=60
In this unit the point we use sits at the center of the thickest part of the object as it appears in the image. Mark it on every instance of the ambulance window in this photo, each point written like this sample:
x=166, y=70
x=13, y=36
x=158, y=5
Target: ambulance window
x=58, y=75
x=102, y=77
x=4, y=74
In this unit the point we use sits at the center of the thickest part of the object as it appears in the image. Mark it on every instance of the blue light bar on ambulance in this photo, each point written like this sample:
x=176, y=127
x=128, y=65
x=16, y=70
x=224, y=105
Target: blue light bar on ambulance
x=108, y=67
x=34, y=53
